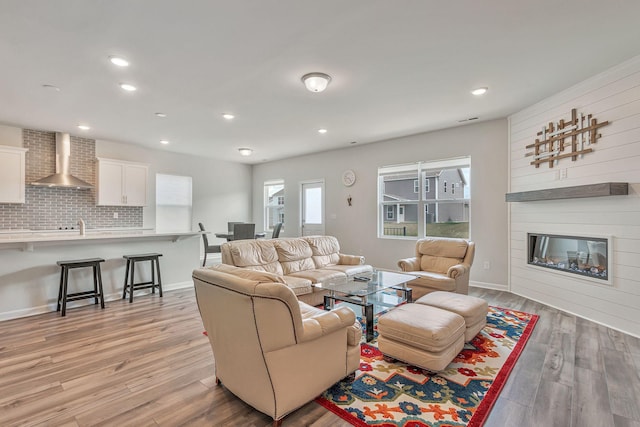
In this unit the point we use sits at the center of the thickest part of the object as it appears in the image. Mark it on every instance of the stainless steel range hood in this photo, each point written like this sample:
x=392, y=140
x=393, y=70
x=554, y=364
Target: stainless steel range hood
x=62, y=177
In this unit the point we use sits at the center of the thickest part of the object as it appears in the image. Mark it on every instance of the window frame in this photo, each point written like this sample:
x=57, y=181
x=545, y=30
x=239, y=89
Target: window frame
x=424, y=171
x=278, y=202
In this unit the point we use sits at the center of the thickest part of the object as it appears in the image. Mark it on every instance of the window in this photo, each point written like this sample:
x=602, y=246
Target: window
x=173, y=202
x=390, y=212
x=440, y=208
x=273, y=203
x=416, y=186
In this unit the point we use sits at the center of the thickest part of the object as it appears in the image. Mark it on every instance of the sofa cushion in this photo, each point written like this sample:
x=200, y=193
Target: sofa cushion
x=294, y=255
x=325, y=250
x=259, y=276
x=350, y=270
x=319, y=275
x=438, y=264
x=299, y=285
x=255, y=255
x=433, y=280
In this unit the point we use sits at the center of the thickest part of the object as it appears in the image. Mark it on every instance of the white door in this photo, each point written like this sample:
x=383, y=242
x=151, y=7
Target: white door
x=312, y=210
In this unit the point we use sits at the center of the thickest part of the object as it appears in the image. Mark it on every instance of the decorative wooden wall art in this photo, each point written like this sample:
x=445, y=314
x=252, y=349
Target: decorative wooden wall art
x=552, y=145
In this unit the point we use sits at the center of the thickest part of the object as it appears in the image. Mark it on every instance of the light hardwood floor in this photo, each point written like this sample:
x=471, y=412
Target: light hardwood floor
x=148, y=363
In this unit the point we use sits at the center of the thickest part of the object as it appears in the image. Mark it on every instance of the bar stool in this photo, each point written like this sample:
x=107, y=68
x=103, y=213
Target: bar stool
x=130, y=286
x=96, y=293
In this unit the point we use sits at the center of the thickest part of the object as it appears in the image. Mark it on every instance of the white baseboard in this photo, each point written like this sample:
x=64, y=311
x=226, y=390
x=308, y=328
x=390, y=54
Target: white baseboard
x=33, y=311
x=487, y=285
x=578, y=315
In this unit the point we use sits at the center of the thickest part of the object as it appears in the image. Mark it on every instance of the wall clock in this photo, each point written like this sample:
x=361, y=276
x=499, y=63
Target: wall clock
x=348, y=178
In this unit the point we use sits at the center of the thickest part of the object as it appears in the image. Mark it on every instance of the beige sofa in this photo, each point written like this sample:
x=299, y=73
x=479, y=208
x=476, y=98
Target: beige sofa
x=440, y=264
x=271, y=350
x=300, y=261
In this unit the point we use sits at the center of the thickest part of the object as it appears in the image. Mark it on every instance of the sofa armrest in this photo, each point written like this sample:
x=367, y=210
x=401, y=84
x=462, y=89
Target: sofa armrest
x=458, y=270
x=326, y=322
x=350, y=259
x=409, y=264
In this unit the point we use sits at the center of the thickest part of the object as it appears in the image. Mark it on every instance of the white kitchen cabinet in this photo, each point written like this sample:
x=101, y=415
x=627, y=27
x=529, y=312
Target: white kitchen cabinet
x=122, y=183
x=12, y=174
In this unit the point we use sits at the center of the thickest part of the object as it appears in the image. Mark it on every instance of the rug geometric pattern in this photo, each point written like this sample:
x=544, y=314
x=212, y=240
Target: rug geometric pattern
x=397, y=394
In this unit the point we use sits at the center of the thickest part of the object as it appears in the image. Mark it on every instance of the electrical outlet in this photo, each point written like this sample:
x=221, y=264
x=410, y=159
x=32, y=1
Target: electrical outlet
x=487, y=265
x=115, y=215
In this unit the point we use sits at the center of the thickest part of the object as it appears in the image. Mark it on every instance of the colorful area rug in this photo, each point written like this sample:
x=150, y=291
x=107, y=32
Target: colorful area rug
x=396, y=394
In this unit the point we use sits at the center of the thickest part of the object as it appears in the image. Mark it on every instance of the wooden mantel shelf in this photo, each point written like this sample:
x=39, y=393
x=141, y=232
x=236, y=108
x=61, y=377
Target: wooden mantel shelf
x=580, y=191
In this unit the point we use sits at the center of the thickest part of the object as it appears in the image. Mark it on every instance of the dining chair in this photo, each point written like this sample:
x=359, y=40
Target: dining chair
x=231, y=224
x=276, y=230
x=208, y=249
x=244, y=231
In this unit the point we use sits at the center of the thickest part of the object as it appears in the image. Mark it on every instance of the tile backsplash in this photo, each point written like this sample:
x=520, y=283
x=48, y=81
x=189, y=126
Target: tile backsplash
x=54, y=208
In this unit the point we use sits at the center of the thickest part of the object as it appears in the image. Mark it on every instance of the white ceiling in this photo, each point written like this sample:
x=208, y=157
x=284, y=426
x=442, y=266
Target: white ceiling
x=398, y=67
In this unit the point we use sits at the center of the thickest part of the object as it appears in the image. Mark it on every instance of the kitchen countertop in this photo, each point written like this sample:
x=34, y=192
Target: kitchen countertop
x=27, y=239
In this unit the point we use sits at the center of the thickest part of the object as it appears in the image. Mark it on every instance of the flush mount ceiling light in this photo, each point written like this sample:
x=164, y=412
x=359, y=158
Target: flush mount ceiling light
x=228, y=116
x=164, y=141
x=316, y=82
x=162, y=115
x=480, y=91
x=245, y=151
x=322, y=131
x=83, y=127
x=128, y=87
x=119, y=61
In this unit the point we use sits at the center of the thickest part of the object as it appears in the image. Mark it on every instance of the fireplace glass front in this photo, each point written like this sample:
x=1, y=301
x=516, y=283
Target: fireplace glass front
x=585, y=256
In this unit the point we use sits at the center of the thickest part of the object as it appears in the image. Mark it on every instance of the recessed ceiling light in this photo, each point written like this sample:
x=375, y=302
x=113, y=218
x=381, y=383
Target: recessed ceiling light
x=480, y=91
x=228, y=116
x=245, y=151
x=119, y=61
x=322, y=131
x=161, y=115
x=52, y=87
x=83, y=127
x=128, y=87
x=164, y=141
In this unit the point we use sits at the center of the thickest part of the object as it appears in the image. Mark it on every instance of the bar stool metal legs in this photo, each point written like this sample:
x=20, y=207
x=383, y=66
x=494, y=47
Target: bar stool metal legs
x=129, y=284
x=97, y=293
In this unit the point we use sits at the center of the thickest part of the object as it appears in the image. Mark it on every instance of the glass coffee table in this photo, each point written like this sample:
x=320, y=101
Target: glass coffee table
x=373, y=292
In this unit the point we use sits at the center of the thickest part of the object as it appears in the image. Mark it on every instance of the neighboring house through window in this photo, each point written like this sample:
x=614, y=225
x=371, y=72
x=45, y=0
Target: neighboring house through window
x=431, y=210
x=274, y=203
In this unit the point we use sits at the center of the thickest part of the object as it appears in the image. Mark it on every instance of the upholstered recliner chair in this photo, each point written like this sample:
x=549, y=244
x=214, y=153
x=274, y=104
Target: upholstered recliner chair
x=271, y=350
x=440, y=264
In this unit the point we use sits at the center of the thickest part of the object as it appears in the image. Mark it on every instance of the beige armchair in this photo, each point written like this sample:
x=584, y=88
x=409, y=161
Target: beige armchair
x=271, y=350
x=440, y=264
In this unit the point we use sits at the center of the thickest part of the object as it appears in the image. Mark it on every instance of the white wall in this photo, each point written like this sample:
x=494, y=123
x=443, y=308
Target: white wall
x=614, y=96
x=356, y=226
x=221, y=190
x=10, y=136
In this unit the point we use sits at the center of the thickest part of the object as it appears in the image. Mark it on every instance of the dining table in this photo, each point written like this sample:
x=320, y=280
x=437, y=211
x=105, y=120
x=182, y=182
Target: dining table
x=229, y=235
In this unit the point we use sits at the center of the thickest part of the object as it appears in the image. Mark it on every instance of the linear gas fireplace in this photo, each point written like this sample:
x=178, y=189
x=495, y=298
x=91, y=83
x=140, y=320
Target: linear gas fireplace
x=584, y=256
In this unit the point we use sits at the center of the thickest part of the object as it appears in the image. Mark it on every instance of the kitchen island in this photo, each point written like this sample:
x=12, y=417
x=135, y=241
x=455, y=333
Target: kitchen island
x=29, y=276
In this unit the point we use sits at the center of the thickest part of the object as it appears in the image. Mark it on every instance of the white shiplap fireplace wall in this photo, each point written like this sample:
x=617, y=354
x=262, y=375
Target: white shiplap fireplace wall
x=614, y=96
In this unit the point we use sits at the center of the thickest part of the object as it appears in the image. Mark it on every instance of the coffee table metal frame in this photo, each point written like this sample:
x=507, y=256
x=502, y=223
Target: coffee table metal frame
x=357, y=292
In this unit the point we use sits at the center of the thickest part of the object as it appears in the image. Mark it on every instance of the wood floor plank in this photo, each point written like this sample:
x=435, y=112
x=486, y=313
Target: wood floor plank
x=623, y=382
x=507, y=412
x=552, y=406
x=590, y=400
x=147, y=363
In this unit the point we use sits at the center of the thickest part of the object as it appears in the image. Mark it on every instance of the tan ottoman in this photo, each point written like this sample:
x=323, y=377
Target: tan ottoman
x=424, y=336
x=473, y=310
